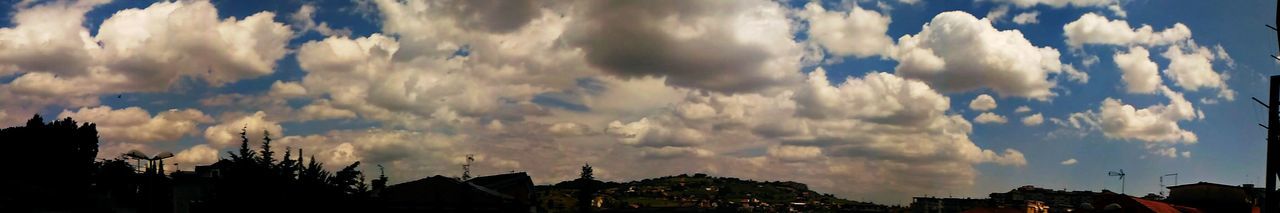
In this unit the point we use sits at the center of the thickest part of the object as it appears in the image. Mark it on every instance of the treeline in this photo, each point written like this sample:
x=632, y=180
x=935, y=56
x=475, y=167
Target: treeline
x=258, y=180
x=51, y=167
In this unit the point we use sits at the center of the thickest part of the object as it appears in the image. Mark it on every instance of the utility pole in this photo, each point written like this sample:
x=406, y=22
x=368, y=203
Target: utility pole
x=1273, y=142
x=1270, y=201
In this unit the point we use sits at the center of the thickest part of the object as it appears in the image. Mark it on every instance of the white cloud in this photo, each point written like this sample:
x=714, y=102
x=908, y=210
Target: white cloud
x=1022, y=109
x=1033, y=120
x=135, y=125
x=646, y=133
x=1027, y=18
x=881, y=96
x=997, y=14
x=227, y=133
x=200, y=154
x=795, y=153
x=134, y=50
x=983, y=102
x=1193, y=70
x=304, y=21
x=569, y=129
x=1059, y=3
x=287, y=90
x=1111, y=5
x=1092, y=28
x=988, y=117
x=321, y=110
x=1157, y=125
x=1140, y=74
x=1069, y=162
x=858, y=32
x=958, y=52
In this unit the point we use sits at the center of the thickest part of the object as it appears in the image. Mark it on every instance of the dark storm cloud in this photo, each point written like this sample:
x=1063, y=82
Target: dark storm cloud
x=498, y=16
x=637, y=39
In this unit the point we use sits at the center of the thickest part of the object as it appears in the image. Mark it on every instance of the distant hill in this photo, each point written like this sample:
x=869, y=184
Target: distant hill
x=699, y=192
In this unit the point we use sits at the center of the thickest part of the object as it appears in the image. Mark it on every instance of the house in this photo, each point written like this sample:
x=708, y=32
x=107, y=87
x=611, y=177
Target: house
x=1213, y=197
x=1112, y=202
x=509, y=193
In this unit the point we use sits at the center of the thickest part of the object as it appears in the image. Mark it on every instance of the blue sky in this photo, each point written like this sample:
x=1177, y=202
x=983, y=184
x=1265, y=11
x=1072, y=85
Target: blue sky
x=546, y=88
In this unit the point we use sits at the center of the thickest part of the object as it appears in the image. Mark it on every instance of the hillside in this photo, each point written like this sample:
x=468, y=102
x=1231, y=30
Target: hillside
x=698, y=192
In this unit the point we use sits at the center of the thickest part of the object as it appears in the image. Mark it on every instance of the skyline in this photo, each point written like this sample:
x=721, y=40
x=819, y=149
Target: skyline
x=868, y=100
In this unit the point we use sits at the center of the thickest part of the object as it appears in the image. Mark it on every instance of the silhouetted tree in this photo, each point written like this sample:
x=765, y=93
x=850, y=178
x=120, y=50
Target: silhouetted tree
x=52, y=166
x=381, y=182
x=587, y=187
x=267, y=158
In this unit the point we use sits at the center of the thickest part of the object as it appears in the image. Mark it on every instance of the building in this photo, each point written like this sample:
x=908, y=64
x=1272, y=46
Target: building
x=946, y=205
x=1213, y=197
x=498, y=193
x=1112, y=202
x=1054, y=200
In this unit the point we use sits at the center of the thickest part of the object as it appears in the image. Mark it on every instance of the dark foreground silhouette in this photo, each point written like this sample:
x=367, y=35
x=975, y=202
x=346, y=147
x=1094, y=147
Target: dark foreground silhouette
x=52, y=168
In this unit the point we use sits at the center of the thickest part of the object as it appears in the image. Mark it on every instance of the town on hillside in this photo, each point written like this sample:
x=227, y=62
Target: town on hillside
x=61, y=174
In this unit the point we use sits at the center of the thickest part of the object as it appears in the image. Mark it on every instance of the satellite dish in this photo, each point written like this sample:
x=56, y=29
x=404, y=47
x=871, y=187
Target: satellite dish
x=163, y=155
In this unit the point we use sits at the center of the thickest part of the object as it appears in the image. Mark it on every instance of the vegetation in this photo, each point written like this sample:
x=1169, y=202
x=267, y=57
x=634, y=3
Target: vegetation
x=61, y=174
x=697, y=191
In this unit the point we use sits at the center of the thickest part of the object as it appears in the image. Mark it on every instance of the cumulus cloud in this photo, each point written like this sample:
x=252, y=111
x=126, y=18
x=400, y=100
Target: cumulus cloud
x=304, y=21
x=858, y=32
x=135, y=125
x=1027, y=18
x=988, y=117
x=1022, y=109
x=795, y=153
x=1092, y=28
x=1069, y=162
x=983, y=102
x=200, y=154
x=1193, y=69
x=569, y=129
x=1139, y=73
x=645, y=133
x=227, y=133
x=959, y=52
x=995, y=15
x=135, y=50
x=1033, y=120
x=726, y=46
x=322, y=110
x=1111, y=5
x=287, y=90
x=1157, y=125
x=883, y=98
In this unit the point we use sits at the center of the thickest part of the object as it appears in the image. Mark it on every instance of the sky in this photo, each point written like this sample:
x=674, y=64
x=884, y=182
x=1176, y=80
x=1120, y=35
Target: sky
x=876, y=100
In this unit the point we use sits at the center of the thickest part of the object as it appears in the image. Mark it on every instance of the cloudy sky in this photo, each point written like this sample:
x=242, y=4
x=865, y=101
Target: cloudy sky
x=873, y=100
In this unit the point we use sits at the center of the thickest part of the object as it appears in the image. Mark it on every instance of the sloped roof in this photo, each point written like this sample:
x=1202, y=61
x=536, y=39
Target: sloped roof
x=502, y=181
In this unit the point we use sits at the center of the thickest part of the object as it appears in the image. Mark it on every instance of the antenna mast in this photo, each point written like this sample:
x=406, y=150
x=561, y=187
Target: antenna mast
x=1121, y=175
x=466, y=168
x=1175, y=181
x=1269, y=201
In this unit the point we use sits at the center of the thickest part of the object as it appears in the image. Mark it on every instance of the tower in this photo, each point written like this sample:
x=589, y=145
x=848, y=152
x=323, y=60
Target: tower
x=466, y=168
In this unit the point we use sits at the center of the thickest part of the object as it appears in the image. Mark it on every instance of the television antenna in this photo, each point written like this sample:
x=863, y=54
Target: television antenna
x=1119, y=174
x=466, y=168
x=1175, y=181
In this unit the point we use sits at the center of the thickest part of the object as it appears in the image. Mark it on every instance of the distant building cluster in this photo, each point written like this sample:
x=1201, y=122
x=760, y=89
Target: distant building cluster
x=1188, y=198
